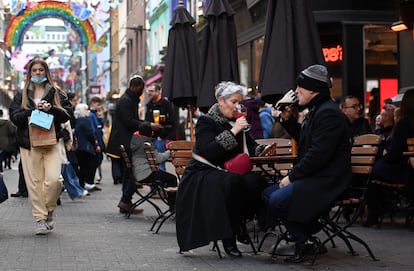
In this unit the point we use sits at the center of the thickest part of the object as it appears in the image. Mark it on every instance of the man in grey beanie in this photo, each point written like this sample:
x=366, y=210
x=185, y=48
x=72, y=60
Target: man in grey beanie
x=323, y=168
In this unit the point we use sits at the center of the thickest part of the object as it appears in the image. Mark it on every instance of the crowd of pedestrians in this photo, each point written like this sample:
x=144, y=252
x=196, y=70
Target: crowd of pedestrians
x=324, y=132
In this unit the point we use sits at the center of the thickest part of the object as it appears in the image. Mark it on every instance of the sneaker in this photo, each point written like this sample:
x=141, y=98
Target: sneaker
x=84, y=193
x=49, y=221
x=42, y=228
x=89, y=186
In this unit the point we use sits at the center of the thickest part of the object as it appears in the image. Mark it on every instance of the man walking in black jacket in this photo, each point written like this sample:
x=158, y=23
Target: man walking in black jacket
x=125, y=123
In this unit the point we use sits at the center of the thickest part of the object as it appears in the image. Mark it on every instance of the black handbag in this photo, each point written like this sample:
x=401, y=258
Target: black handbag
x=4, y=194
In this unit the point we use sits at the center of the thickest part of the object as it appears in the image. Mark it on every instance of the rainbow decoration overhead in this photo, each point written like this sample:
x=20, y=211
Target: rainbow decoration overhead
x=47, y=9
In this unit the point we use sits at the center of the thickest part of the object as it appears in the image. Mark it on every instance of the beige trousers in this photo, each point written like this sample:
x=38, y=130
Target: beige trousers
x=42, y=171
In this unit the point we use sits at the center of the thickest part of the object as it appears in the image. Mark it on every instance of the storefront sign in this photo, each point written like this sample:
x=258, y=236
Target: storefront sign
x=333, y=54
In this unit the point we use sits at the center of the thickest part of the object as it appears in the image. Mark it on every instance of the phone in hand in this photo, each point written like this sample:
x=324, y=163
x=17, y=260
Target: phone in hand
x=269, y=150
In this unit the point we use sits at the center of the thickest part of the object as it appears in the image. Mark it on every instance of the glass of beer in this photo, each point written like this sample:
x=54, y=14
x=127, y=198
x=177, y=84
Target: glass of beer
x=156, y=115
x=163, y=119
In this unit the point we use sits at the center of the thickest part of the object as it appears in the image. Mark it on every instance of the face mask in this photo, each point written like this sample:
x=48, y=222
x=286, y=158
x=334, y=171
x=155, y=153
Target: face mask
x=38, y=79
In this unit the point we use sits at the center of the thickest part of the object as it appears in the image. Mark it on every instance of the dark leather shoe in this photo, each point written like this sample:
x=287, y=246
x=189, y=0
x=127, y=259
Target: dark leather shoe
x=242, y=235
x=230, y=248
x=135, y=211
x=300, y=254
x=124, y=207
x=16, y=195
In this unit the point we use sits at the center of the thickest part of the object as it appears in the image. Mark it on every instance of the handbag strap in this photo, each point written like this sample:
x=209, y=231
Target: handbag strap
x=203, y=160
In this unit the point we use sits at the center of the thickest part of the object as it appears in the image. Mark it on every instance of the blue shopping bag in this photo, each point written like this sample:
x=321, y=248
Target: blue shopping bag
x=41, y=119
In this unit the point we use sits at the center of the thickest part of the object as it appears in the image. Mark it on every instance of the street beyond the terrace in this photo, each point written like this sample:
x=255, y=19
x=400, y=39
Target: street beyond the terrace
x=92, y=235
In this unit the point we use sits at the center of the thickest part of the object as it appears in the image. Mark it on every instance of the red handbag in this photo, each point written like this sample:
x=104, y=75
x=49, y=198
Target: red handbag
x=239, y=164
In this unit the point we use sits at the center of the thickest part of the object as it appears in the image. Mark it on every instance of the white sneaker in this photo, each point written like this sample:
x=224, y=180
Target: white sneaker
x=42, y=228
x=84, y=193
x=89, y=186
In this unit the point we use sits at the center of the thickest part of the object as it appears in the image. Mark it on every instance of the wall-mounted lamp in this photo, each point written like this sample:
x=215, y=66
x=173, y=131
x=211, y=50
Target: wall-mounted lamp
x=399, y=26
x=137, y=28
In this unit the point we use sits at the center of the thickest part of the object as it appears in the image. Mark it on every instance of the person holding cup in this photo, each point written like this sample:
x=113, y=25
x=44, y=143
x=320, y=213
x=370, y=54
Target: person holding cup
x=159, y=111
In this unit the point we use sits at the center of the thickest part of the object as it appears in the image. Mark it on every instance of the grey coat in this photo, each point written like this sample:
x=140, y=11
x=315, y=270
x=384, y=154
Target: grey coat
x=140, y=166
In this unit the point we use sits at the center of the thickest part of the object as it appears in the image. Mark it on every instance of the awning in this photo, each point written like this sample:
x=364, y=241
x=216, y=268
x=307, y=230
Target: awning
x=154, y=78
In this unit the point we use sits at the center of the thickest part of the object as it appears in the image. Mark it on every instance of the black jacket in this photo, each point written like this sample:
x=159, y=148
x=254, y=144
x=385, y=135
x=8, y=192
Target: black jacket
x=323, y=171
x=20, y=116
x=204, y=191
x=165, y=108
x=125, y=123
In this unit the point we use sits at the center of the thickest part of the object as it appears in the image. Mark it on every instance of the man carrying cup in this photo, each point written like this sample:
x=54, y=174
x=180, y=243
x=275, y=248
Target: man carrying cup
x=159, y=110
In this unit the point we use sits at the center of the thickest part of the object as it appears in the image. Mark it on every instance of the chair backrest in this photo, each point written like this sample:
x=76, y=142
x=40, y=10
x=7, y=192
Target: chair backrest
x=181, y=153
x=363, y=154
x=150, y=154
x=125, y=157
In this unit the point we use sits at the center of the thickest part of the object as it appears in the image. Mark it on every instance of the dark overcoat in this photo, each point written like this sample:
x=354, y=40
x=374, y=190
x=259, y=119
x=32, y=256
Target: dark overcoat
x=323, y=171
x=393, y=167
x=125, y=123
x=202, y=206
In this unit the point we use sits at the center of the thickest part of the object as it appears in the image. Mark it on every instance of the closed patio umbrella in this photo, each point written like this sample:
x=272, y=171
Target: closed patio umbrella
x=181, y=80
x=291, y=44
x=219, y=60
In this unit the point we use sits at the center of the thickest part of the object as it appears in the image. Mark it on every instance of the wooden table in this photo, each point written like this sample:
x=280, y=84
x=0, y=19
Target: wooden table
x=272, y=166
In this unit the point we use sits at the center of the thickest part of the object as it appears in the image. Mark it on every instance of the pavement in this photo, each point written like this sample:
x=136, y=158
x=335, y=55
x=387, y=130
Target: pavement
x=90, y=234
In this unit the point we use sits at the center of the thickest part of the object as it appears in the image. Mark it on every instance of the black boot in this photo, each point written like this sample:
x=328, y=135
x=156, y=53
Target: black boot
x=230, y=247
x=242, y=235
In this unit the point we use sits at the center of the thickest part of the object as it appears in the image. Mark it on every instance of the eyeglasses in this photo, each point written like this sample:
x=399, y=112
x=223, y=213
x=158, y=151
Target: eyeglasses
x=354, y=106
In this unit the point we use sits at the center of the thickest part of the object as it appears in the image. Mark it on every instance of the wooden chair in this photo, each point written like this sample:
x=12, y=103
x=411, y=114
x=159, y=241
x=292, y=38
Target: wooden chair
x=159, y=189
x=363, y=154
x=155, y=188
x=181, y=153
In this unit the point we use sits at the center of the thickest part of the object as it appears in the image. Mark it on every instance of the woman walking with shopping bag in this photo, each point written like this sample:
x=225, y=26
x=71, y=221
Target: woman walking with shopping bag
x=41, y=161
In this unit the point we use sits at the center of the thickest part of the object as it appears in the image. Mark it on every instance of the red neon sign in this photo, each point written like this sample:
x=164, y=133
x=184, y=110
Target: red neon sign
x=332, y=54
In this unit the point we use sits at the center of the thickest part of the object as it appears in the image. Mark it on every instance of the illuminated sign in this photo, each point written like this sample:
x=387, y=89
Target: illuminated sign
x=333, y=54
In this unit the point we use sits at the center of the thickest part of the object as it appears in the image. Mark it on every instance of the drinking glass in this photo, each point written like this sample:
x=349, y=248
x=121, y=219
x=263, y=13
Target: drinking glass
x=241, y=111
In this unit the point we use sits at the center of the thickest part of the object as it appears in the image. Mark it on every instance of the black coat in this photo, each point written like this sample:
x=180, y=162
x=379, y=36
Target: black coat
x=125, y=123
x=323, y=171
x=203, y=206
x=20, y=116
x=165, y=109
x=393, y=167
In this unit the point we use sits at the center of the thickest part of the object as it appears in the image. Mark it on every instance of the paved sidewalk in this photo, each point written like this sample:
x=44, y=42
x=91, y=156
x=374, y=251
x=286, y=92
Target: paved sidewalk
x=90, y=234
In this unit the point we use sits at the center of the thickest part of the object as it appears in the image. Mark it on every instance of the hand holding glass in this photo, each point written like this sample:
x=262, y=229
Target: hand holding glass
x=156, y=115
x=241, y=111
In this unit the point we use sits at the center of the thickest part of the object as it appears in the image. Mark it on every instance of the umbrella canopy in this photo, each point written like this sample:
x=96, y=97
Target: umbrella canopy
x=181, y=80
x=291, y=44
x=219, y=60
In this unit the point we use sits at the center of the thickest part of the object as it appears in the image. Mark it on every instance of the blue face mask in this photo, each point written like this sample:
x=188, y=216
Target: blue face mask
x=38, y=79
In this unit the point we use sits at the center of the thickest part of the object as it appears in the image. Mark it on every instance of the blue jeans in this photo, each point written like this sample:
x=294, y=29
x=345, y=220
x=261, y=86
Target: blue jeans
x=160, y=145
x=278, y=201
x=71, y=181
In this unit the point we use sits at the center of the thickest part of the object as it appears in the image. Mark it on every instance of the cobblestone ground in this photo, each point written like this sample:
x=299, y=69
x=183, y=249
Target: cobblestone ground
x=91, y=234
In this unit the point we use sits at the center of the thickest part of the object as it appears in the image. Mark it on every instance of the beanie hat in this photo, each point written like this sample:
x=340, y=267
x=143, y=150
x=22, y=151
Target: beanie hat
x=314, y=78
